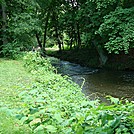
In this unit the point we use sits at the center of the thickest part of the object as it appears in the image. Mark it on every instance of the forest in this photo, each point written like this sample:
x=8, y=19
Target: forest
x=34, y=97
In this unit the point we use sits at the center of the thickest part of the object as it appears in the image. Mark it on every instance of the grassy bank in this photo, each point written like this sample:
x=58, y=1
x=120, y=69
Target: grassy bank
x=12, y=76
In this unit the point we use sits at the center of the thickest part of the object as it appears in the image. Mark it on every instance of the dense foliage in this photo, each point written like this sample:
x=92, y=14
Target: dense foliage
x=54, y=104
x=117, y=29
x=101, y=24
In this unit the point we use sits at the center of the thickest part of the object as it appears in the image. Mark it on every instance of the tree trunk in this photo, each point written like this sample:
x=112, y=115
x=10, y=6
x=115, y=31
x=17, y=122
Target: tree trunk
x=58, y=40
x=4, y=24
x=62, y=45
x=103, y=58
x=71, y=36
x=71, y=43
x=45, y=32
x=38, y=40
x=55, y=17
x=78, y=35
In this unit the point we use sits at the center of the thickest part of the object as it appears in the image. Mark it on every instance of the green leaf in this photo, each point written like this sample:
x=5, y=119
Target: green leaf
x=33, y=110
x=89, y=117
x=80, y=130
x=113, y=100
x=58, y=117
x=51, y=128
x=39, y=130
x=132, y=130
x=115, y=123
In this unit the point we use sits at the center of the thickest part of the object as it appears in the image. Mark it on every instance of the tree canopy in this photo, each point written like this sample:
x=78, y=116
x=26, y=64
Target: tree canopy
x=105, y=24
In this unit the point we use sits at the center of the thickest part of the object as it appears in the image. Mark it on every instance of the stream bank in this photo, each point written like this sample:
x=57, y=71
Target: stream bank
x=90, y=58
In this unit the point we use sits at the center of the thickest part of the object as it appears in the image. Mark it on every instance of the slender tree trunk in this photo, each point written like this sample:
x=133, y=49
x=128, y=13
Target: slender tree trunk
x=45, y=32
x=57, y=36
x=75, y=38
x=71, y=43
x=75, y=5
x=4, y=24
x=78, y=35
x=38, y=40
x=55, y=17
x=62, y=45
x=62, y=42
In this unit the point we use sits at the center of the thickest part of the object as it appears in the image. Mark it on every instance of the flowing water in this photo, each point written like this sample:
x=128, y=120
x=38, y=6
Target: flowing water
x=98, y=82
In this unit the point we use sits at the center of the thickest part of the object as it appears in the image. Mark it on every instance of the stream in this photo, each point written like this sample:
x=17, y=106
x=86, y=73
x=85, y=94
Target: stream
x=98, y=82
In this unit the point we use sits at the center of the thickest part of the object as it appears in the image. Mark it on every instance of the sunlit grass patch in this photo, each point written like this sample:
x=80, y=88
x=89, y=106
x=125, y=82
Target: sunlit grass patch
x=12, y=75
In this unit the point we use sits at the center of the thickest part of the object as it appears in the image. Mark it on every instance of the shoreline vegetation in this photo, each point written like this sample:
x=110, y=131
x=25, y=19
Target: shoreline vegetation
x=89, y=57
x=51, y=103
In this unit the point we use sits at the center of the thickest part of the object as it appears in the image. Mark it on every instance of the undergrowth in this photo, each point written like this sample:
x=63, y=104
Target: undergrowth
x=56, y=105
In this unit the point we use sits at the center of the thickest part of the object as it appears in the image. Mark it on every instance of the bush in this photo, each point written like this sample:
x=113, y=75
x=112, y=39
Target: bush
x=34, y=62
x=11, y=50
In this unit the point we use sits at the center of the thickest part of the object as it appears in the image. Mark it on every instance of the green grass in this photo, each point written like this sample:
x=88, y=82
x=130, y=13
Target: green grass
x=12, y=76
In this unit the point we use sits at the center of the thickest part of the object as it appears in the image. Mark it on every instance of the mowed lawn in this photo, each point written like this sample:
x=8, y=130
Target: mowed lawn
x=13, y=79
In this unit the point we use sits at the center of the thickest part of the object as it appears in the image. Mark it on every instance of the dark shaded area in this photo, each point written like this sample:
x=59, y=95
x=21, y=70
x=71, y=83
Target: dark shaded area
x=90, y=58
x=83, y=56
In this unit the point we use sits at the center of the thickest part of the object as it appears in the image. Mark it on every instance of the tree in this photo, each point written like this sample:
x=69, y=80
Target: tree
x=21, y=21
x=118, y=29
x=98, y=24
x=3, y=23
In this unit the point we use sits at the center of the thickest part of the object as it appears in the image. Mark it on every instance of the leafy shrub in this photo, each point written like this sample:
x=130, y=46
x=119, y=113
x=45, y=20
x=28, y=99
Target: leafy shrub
x=33, y=62
x=54, y=104
x=11, y=50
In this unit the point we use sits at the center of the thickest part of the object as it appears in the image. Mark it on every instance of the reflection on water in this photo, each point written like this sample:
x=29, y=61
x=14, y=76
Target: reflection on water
x=115, y=83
